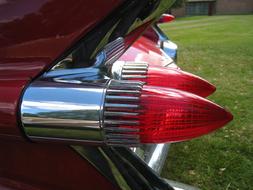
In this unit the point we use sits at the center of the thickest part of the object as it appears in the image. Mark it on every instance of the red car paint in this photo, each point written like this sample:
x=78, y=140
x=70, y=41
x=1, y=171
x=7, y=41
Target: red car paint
x=46, y=167
x=151, y=35
x=25, y=54
x=145, y=50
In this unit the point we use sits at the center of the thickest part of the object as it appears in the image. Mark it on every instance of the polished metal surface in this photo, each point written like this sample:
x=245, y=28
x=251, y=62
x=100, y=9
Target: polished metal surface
x=100, y=68
x=181, y=186
x=81, y=111
x=156, y=156
x=57, y=110
x=125, y=70
x=113, y=51
x=153, y=155
x=169, y=47
x=68, y=104
x=120, y=104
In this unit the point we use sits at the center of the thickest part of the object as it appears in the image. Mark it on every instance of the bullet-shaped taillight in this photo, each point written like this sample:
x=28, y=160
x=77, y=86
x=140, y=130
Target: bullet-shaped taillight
x=169, y=115
x=112, y=112
x=164, y=77
x=165, y=18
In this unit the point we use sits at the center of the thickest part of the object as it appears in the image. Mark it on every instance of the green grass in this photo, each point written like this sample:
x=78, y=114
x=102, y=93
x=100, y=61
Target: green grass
x=219, y=49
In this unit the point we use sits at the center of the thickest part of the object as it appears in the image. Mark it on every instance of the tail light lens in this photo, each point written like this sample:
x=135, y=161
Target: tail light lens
x=179, y=115
x=167, y=77
x=166, y=115
x=165, y=18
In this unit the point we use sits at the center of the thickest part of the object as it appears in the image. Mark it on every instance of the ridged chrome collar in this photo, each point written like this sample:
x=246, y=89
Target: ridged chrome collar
x=124, y=70
x=121, y=105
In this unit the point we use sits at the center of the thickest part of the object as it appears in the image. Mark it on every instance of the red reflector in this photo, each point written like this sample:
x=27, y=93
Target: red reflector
x=172, y=78
x=169, y=115
x=166, y=18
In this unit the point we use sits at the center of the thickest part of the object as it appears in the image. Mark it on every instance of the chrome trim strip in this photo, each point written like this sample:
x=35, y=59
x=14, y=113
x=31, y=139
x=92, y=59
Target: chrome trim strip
x=180, y=186
x=121, y=129
x=127, y=98
x=169, y=48
x=123, y=91
x=121, y=122
x=153, y=155
x=123, y=168
x=114, y=50
x=110, y=113
x=107, y=105
x=158, y=157
x=133, y=76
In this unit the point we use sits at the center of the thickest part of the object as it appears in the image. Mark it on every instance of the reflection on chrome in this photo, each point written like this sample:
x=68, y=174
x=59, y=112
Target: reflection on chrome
x=154, y=155
x=83, y=113
x=158, y=157
x=53, y=105
x=67, y=112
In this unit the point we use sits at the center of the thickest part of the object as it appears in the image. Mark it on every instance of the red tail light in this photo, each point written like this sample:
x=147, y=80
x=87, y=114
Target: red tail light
x=116, y=113
x=167, y=77
x=169, y=115
x=165, y=18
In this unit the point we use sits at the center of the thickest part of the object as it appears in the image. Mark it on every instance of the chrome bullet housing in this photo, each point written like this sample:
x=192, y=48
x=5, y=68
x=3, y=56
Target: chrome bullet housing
x=80, y=113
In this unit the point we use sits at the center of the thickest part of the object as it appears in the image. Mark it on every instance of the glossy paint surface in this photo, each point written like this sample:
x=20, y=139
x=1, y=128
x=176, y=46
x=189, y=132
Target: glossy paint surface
x=145, y=50
x=33, y=33
x=40, y=30
x=39, y=166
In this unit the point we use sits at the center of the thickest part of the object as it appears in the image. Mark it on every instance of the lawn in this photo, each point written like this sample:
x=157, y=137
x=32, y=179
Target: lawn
x=219, y=49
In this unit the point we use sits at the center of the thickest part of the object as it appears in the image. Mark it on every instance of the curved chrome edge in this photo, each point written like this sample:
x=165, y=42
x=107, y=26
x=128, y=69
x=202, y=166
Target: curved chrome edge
x=180, y=186
x=154, y=155
x=169, y=48
x=157, y=157
x=122, y=167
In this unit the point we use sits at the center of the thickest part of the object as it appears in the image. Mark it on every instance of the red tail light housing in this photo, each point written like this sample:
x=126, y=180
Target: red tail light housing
x=162, y=115
x=165, y=18
x=167, y=77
